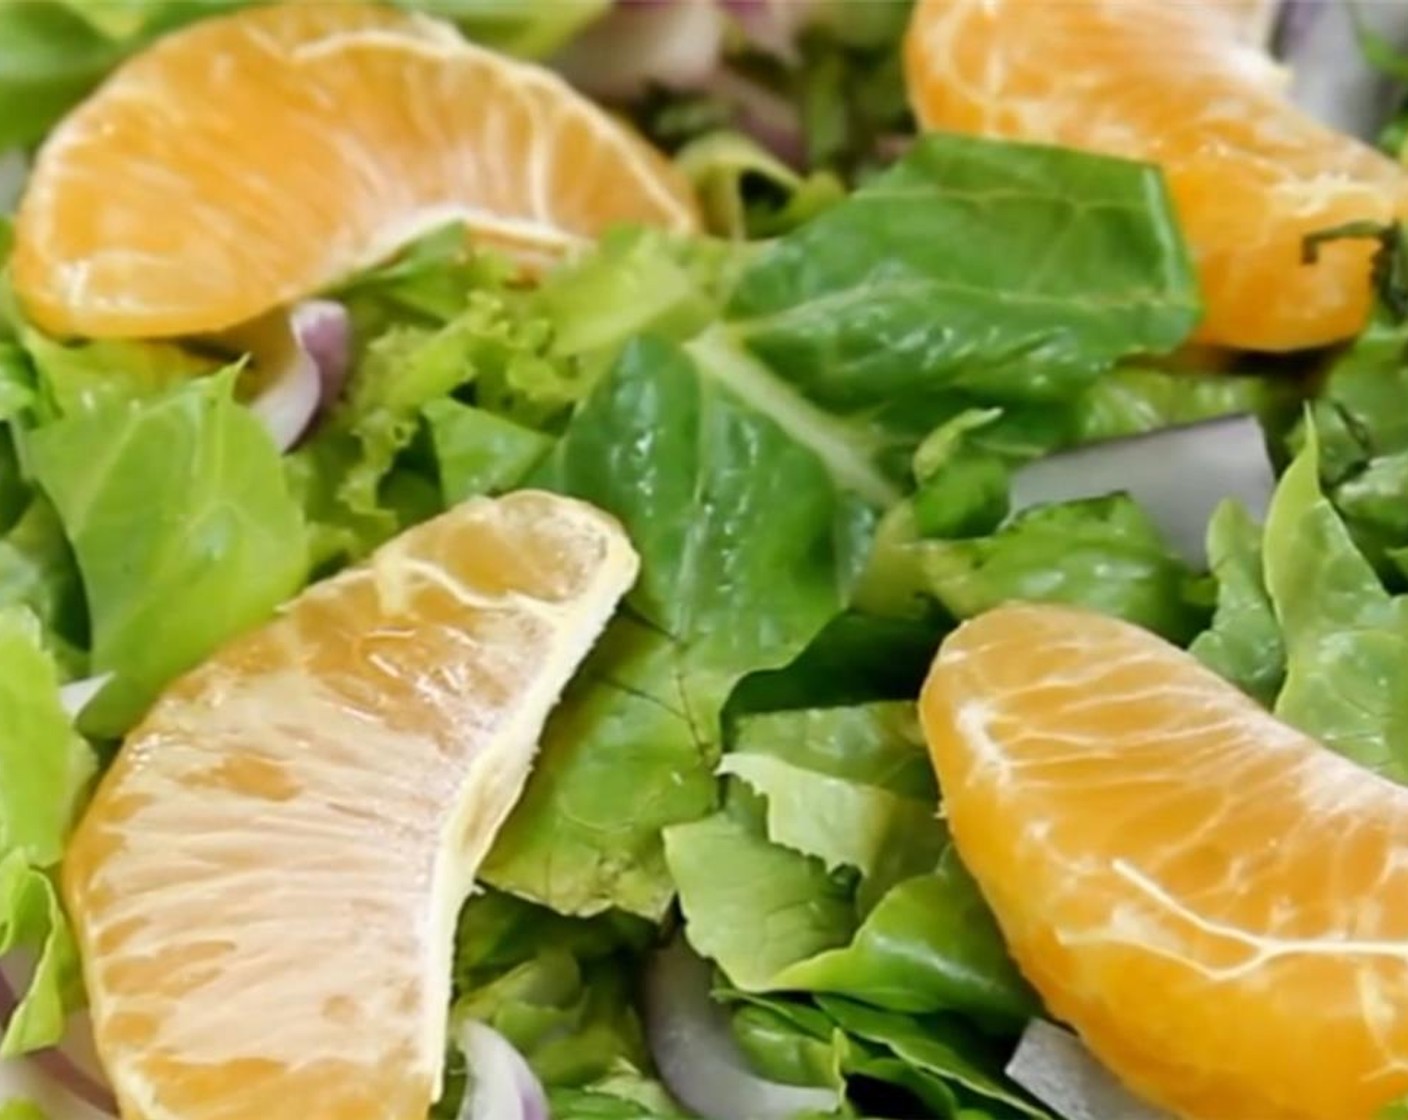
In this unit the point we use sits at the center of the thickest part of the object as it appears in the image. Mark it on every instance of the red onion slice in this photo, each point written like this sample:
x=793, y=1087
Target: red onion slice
x=502, y=1085
x=302, y=359
x=696, y=1055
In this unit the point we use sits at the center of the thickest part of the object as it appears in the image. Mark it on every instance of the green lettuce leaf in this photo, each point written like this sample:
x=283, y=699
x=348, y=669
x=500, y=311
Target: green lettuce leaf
x=15, y=494
x=19, y=1109
x=746, y=191
x=50, y=57
x=184, y=528
x=85, y=376
x=45, y=768
x=945, y=1046
x=1244, y=643
x=748, y=550
x=477, y=452
x=930, y=945
x=38, y=572
x=1346, y=638
x=770, y=908
x=1049, y=266
x=1101, y=553
x=17, y=394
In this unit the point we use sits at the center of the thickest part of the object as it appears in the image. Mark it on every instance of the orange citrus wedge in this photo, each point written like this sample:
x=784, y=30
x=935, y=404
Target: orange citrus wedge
x=1176, y=83
x=266, y=885
x=1218, y=904
x=253, y=159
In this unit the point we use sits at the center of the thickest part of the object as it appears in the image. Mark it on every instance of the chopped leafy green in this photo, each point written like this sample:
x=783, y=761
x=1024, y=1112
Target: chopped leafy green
x=1244, y=643
x=772, y=909
x=945, y=1046
x=480, y=453
x=50, y=56
x=929, y=945
x=185, y=531
x=83, y=377
x=746, y=191
x=1046, y=266
x=44, y=764
x=1101, y=553
x=38, y=572
x=19, y=1109
x=1346, y=638
x=44, y=769
x=841, y=822
x=747, y=551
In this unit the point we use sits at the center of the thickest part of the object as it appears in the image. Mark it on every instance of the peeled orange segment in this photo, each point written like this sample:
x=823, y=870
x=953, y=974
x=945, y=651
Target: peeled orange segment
x=1175, y=83
x=266, y=884
x=251, y=160
x=1218, y=904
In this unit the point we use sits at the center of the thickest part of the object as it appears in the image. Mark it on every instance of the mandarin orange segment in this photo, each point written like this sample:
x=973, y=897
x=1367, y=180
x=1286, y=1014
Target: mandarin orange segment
x=1218, y=904
x=253, y=159
x=1175, y=83
x=266, y=884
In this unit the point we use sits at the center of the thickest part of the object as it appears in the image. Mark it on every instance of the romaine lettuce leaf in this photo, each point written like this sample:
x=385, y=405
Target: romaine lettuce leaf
x=751, y=906
x=1244, y=643
x=38, y=572
x=747, y=552
x=1101, y=553
x=1047, y=266
x=930, y=945
x=945, y=1046
x=84, y=376
x=477, y=452
x=184, y=528
x=44, y=771
x=1346, y=638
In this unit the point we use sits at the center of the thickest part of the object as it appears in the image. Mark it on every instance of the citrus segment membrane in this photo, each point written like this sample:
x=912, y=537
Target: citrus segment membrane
x=265, y=886
x=251, y=160
x=1211, y=898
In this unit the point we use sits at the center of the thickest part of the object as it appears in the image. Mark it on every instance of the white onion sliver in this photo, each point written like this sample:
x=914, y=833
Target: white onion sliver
x=1054, y=1066
x=502, y=1086
x=697, y=1057
x=1178, y=475
x=77, y=695
x=292, y=392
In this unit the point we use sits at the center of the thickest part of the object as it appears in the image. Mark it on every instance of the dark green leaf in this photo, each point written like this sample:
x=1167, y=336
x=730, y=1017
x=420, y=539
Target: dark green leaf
x=1047, y=266
x=1244, y=643
x=931, y=944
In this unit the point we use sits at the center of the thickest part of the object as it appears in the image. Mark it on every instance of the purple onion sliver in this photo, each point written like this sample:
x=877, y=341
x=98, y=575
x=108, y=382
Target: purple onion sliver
x=323, y=330
x=502, y=1084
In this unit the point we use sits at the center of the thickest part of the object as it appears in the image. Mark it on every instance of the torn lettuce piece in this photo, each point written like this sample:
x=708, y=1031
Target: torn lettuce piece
x=45, y=768
x=747, y=552
x=929, y=945
x=1048, y=266
x=1244, y=642
x=479, y=453
x=39, y=573
x=1100, y=553
x=527, y=28
x=1345, y=636
x=185, y=531
x=81, y=377
x=774, y=908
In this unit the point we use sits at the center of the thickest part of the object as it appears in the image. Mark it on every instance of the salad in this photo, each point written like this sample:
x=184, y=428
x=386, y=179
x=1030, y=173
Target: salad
x=847, y=377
